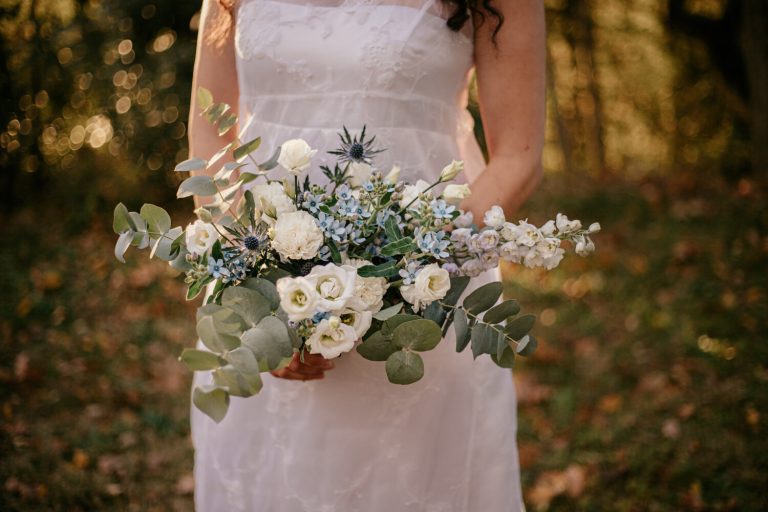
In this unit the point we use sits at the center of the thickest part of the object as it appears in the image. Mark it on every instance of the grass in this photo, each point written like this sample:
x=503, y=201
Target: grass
x=648, y=391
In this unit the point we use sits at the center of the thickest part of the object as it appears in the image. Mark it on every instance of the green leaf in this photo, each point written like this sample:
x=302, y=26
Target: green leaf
x=243, y=150
x=164, y=246
x=212, y=338
x=191, y=164
x=335, y=254
x=387, y=269
x=212, y=401
x=158, y=220
x=204, y=98
x=392, y=230
x=501, y=312
x=226, y=123
x=272, y=162
x=485, y=339
x=526, y=346
x=273, y=274
x=519, y=327
x=420, y=335
x=389, y=326
x=389, y=312
x=461, y=325
x=265, y=288
x=401, y=246
x=122, y=245
x=237, y=383
x=214, y=113
x=197, y=186
x=195, y=289
x=377, y=347
x=243, y=359
x=121, y=220
x=483, y=298
x=200, y=360
x=507, y=358
x=458, y=285
x=269, y=341
x=249, y=304
x=404, y=367
x=435, y=312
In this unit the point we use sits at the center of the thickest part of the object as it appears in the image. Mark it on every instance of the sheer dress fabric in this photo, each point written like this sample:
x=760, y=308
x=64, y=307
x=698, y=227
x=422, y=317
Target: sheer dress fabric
x=353, y=442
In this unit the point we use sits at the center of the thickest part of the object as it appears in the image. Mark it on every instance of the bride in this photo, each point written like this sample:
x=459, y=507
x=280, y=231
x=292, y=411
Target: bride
x=335, y=436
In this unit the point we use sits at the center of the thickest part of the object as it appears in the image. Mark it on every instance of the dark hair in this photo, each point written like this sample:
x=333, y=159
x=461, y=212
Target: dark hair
x=461, y=14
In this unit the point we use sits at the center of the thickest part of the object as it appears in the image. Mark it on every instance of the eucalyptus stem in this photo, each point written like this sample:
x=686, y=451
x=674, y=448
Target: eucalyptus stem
x=477, y=319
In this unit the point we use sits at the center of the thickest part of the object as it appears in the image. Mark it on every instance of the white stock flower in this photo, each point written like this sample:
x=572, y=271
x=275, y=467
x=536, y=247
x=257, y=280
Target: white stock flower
x=359, y=173
x=272, y=195
x=394, y=175
x=331, y=338
x=528, y=234
x=584, y=246
x=454, y=194
x=295, y=156
x=548, y=229
x=488, y=239
x=461, y=235
x=508, y=232
x=431, y=284
x=512, y=252
x=472, y=268
x=296, y=236
x=490, y=260
x=451, y=170
x=360, y=321
x=411, y=192
x=464, y=220
x=494, y=217
x=334, y=285
x=200, y=237
x=564, y=225
x=546, y=253
x=297, y=297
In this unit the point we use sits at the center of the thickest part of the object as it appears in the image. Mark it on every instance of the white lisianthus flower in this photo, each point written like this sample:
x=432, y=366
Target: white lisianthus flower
x=360, y=321
x=334, y=285
x=394, y=175
x=297, y=297
x=272, y=197
x=451, y=170
x=464, y=220
x=411, y=192
x=295, y=156
x=512, y=252
x=359, y=173
x=454, y=194
x=200, y=237
x=494, y=217
x=431, y=284
x=461, y=235
x=488, y=239
x=564, y=225
x=331, y=338
x=508, y=232
x=472, y=268
x=528, y=234
x=296, y=236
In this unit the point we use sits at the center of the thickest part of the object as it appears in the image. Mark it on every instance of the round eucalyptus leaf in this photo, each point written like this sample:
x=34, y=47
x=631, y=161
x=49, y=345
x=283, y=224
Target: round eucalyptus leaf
x=376, y=347
x=458, y=285
x=237, y=383
x=266, y=289
x=249, y=304
x=483, y=298
x=527, y=345
x=213, y=339
x=421, y=335
x=121, y=220
x=390, y=324
x=123, y=243
x=243, y=360
x=404, y=367
x=200, y=360
x=501, y=312
x=200, y=185
x=507, y=359
x=213, y=401
x=387, y=313
x=269, y=341
x=519, y=327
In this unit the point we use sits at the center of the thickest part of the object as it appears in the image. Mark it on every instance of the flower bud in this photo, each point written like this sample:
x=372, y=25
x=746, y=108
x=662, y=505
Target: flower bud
x=594, y=227
x=290, y=188
x=394, y=175
x=451, y=170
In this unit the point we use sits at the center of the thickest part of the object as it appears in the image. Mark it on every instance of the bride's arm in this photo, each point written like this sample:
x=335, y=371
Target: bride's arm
x=214, y=70
x=511, y=89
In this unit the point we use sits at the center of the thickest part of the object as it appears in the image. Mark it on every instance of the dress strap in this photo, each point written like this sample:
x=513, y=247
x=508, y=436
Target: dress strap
x=416, y=19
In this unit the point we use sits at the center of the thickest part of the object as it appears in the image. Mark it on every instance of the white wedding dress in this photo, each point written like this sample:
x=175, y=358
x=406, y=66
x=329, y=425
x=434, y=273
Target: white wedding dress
x=353, y=442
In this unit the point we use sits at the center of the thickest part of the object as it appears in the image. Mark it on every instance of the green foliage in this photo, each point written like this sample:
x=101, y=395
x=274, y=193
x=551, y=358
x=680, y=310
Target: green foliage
x=200, y=360
x=420, y=335
x=404, y=367
x=270, y=342
x=212, y=401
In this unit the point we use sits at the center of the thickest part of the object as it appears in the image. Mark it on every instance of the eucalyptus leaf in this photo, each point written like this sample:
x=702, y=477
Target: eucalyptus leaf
x=237, y=383
x=200, y=360
x=388, y=327
x=243, y=150
x=265, y=288
x=140, y=236
x=404, y=367
x=212, y=401
x=122, y=245
x=458, y=285
x=214, y=113
x=121, y=220
x=243, y=359
x=461, y=325
x=191, y=164
x=163, y=247
x=377, y=347
x=501, y=312
x=204, y=214
x=435, y=312
x=213, y=339
x=251, y=305
x=483, y=298
x=204, y=98
x=526, y=346
x=420, y=335
x=201, y=185
x=506, y=359
x=519, y=327
x=272, y=162
x=226, y=123
x=389, y=312
x=485, y=339
x=269, y=341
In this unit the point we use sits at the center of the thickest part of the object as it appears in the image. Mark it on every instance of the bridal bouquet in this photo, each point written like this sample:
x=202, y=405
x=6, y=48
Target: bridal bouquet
x=361, y=261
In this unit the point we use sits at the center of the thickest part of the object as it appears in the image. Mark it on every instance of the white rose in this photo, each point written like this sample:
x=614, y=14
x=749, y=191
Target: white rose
x=331, y=338
x=273, y=196
x=297, y=297
x=411, y=192
x=494, y=217
x=334, y=285
x=296, y=236
x=455, y=194
x=360, y=321
x=295, y=156
x=359, y=173
x=464, y=220
x=431, y=284
x=394, y=175
x=200, y=237
x=451, y=170
x=472, y=268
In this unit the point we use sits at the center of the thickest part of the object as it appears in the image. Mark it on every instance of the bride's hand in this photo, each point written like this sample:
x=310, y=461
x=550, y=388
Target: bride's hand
x=313, y=368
